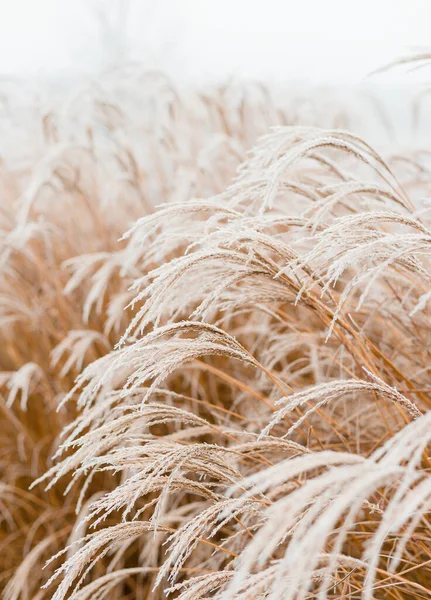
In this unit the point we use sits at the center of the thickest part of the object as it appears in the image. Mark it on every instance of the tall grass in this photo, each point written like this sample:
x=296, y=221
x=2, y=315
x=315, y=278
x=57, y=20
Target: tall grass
x=215, y=350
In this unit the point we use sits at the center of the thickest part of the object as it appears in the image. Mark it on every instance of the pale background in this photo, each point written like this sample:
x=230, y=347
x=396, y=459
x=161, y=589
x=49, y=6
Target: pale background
x=322, y=41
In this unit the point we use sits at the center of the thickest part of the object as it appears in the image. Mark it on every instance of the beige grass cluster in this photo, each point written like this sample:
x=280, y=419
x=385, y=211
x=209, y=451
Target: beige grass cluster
x=226, y=396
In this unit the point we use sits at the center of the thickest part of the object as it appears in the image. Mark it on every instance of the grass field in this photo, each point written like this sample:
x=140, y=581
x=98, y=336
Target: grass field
x=215, y=315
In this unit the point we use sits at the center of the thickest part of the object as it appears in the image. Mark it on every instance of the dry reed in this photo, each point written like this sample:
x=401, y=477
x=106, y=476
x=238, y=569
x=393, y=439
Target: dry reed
x=231, y=399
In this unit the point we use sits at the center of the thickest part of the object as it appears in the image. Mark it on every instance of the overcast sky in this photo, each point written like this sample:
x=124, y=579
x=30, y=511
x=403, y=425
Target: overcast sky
x=200, y=40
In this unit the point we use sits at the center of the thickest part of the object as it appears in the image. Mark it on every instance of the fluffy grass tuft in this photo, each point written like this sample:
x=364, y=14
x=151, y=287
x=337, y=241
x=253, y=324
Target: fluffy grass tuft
x=215, y=322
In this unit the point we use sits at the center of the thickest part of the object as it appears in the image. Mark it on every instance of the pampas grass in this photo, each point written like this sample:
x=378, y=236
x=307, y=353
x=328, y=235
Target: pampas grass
x=215, y=320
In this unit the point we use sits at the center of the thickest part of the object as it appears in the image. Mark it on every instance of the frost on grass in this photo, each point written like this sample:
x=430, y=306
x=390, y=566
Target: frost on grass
x=215, y=320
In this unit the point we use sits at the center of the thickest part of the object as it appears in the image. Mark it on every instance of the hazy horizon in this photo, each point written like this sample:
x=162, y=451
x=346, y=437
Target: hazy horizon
x=276, y=42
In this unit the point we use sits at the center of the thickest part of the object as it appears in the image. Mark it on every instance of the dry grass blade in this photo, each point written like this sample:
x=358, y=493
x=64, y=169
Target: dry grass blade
x=227, y=396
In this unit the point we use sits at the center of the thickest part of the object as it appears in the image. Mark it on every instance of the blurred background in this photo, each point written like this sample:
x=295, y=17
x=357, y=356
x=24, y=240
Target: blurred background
x=199, y=41
x=291, y=48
